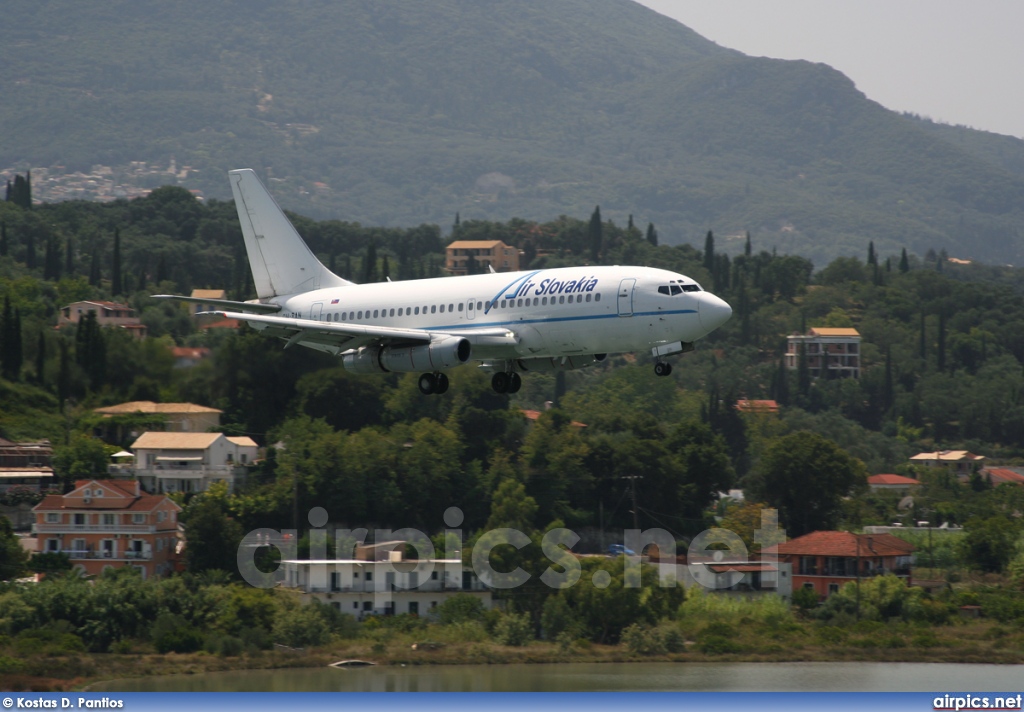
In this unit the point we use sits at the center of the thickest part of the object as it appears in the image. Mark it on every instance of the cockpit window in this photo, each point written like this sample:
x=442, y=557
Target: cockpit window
x=663, y=290
x=674, y=289
x=691, y=287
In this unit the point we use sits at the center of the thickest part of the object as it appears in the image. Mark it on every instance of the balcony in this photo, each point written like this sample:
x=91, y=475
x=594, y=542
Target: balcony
x=51, y=528
x=80, y=554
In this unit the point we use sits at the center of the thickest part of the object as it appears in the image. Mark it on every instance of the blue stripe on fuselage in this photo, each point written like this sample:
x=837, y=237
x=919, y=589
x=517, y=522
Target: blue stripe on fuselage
x=589, y=317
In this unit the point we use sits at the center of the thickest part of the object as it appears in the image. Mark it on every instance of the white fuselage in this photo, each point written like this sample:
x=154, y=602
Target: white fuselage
x=552, y=312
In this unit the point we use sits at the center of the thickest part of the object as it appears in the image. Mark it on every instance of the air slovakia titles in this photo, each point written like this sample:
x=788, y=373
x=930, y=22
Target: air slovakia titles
x=554, y=286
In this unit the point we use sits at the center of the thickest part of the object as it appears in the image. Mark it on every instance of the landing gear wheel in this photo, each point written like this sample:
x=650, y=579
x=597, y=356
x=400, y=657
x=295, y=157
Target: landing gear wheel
x=428, y=384
x=441, y=385
x=515, y=382
x=500, y=382
x=662, y=369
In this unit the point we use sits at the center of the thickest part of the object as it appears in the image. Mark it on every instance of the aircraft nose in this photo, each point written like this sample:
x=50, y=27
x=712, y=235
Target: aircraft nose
x=713, y=312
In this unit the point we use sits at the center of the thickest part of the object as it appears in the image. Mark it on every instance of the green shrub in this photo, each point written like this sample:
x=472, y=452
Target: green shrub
x=718, y=645
x=643, y=640
x=805, y=599
x=513, y=629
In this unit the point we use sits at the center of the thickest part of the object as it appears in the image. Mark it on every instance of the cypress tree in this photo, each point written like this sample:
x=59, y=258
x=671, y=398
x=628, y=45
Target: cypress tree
x=922, y=350
x=69, y=258
x=747, y=249
x=385, y=268
x=872, y=258
x=3, y=239
x=652, y=234
x=6, y=339
x=116, y=284
x=595, y=234
x=370, y=262
x=904, y=262
x=940, y=353
x=30, y=250
x=63, y=374
x=709, y=253
x=887, y=384
x=94, y=269
x=41, y=360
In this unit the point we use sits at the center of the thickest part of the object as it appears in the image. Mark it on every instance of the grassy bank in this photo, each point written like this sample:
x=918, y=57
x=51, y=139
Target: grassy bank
x=799, y=641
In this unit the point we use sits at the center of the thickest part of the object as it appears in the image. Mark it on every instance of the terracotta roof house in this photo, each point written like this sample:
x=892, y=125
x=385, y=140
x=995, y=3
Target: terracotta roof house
x=898, y=483
x=25, y=465
x=191, y=462
x=1002, y=475
x=485, y=253
x=825, y=560
x=830, y=352
x=104, y=524
x=760, y=407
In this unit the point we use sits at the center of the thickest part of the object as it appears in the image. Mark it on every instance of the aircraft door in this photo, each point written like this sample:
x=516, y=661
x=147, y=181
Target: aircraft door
x=316, y=310
x=626, y=297
x=471, y=309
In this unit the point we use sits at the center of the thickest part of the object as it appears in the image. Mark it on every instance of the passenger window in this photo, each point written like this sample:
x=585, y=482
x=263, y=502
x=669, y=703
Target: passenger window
x=579, y=298
x=561, y=299
x=479, y=305
x=360, y=315
x=460, y=306
x=519, y=303
x=451, y=307
x=392, y=313
x=544, y=301
x=502, y=303
x=536, y=301
x=442, y=308
x=597, y=297
x=433, y=308
x=375, y=312
x=588, y=297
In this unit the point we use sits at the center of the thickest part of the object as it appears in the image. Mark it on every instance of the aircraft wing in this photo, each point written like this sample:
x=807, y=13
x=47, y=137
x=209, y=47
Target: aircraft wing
x=257, y=307
x=336, y=337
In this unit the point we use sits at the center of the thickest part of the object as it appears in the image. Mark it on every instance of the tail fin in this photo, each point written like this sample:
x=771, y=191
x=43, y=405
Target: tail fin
x=281, y=262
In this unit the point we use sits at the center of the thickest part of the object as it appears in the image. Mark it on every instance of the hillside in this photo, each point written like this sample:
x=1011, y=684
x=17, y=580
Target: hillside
x=399, y=114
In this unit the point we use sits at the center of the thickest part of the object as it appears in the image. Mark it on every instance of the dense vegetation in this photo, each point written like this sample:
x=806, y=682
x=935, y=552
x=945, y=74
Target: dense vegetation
x=395, y=114
x=942, y=367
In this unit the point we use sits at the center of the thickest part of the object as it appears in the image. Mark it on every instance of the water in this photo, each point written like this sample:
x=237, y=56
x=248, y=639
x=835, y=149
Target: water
x=590, y=677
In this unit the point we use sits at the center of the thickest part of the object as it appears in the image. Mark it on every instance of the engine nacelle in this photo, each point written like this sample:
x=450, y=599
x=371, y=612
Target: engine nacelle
x=441, y=354
x=559, y=363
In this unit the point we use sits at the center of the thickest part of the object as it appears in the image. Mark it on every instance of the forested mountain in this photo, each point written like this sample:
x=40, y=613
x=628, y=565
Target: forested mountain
x=404, y=113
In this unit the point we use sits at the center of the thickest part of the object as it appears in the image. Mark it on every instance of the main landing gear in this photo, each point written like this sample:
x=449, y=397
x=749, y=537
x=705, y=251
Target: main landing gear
x=433, y=384
x=662, y=368
x=503, y=382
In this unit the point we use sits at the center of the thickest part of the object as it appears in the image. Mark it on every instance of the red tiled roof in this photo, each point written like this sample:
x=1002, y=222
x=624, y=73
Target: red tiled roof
x=535, y=414
x=891, y=480
x=145, y=503
x=757, y=406
x=831, y=543
x=1001, y=475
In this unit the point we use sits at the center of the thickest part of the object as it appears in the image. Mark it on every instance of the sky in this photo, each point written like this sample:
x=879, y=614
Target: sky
x=954, y=61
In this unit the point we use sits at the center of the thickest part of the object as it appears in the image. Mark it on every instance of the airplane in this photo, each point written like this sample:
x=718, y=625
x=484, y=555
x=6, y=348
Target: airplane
x=511, y=323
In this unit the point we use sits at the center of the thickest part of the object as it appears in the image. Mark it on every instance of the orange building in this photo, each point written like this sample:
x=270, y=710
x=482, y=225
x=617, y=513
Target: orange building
x=830, y=352
x=461, y=255
x=104, y=524
x=825, y=560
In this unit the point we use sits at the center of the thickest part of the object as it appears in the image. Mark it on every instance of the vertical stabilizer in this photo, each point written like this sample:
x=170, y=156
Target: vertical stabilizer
x=280, y=260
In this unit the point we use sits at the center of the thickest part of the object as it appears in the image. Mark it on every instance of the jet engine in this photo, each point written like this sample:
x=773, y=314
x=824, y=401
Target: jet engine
x=438, y=355
x=559, y=363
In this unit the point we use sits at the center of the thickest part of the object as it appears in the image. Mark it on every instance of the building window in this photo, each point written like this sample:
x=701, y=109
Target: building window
x=79, y=519
x=108, y=520
x=52, y=517
x=367, y=605
x=138, y=519
x=833, y=588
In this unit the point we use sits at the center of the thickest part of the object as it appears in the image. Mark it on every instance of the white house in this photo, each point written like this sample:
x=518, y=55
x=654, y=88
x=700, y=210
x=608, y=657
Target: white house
x=372, y=585
x=191, y=462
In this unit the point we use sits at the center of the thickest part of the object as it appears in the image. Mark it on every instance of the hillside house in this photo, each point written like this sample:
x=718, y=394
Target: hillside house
x=830, y=352
x=105, y=524
x=895, y=483
x=108, y=314
x=826, y=560
x=379, y=580
x=191, y=462
x=25, y=465
x=960, y=462
x=462, y=254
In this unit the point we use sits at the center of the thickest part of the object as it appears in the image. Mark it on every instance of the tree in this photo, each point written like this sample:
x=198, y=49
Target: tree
x=116, y=285
x=13, y=557
x=83, y=457
x=709, y=253
x=904, y=262
x=3, y=240
x=211, y=534
x=595, y=236
x=806, y=476
x=652, y=235
x=370, y=262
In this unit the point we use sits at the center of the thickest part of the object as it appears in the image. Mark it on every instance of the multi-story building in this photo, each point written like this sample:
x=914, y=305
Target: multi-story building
x=104, y=524
x=826, y=560
x=191, y=462
x=206, y=294
x=25, y=465
x=830, y=352
x=462, y=254
x=381, y=581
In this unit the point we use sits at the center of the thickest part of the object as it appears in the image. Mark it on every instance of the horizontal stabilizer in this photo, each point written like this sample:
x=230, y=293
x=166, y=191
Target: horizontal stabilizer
x=251, y=307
